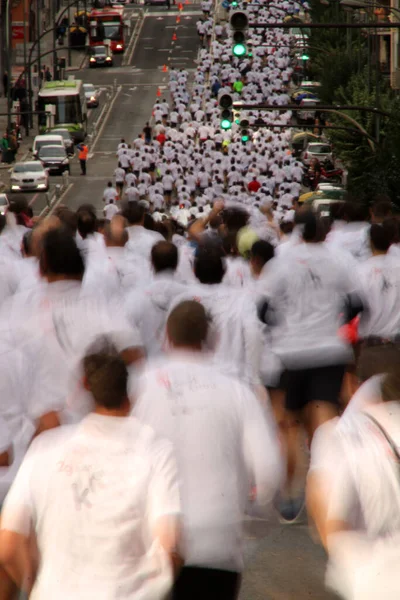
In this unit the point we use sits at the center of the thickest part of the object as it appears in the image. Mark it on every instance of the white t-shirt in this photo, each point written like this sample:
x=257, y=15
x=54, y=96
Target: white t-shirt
x=224, y=443
x=93, y=493
x=362, y=474
x=110, y=193
x=379, y=278
x=307, y=289
x=110, y=210
x=235, y=334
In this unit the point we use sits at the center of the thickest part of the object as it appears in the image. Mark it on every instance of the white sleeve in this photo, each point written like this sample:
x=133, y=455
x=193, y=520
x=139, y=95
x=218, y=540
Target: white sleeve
x=164, y=497
x=5, y=436
x=261, y=449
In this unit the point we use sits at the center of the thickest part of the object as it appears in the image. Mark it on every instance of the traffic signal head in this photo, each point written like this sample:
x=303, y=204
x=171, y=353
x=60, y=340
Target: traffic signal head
x=225, y=101
x=239, y=46
x=226, y=119
x=305, y=57
x=244, y=124
x=239, y=23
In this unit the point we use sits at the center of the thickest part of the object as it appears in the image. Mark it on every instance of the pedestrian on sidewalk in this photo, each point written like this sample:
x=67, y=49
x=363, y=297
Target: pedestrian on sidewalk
x=4, y=147
x=5, y=83
x=47, y=74
x=83, y=154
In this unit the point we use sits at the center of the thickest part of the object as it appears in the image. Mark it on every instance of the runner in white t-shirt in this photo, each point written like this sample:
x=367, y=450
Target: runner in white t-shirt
x=100, y=497
x=110, y=210
x=110, y=193
x=224, y=441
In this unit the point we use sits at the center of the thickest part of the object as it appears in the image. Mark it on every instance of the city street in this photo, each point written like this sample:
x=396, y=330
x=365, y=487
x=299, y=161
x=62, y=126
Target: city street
x=137, y=84
x=282, y=562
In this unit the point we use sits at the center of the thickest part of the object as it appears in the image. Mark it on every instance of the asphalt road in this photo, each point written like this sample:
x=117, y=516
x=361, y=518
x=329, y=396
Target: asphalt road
x=281, y=562
x=137, y=83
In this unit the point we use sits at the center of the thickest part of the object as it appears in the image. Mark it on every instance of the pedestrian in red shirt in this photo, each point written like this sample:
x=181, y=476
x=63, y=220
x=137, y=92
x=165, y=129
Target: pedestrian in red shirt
x=254, y=185
x=161, y=138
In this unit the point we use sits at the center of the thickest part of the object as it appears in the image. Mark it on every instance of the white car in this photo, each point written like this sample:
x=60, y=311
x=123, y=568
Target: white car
x=29, y=176
x=91, y=95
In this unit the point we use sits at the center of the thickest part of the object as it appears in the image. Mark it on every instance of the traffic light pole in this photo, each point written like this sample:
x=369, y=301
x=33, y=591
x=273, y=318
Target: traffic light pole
x=291, y=25
x=317, y=107
x=340, y=127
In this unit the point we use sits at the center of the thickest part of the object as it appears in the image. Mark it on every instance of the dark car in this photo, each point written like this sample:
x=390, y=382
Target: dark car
x=100, y=56
x=54, y=159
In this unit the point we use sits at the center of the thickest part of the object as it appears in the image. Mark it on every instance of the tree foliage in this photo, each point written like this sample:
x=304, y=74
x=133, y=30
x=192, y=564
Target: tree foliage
x=345, y=66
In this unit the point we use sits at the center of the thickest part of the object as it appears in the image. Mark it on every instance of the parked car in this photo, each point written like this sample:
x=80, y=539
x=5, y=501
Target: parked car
x=29, y=176
x=100, y=56
x=320, y=150
x=91, y=95
x=48, y=139
x=4, y=204
x=54, y=159
x=66, y=136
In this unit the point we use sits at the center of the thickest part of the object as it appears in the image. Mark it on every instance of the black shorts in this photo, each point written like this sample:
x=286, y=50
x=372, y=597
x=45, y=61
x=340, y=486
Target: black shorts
x=309, y=385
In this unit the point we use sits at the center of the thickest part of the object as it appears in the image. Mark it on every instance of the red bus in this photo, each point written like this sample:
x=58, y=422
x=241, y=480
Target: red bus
x=107, y=24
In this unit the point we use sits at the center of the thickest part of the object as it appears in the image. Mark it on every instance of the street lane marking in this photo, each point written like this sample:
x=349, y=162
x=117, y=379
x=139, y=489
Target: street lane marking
x=110, y=107
x=59, y=200
x=35, y=197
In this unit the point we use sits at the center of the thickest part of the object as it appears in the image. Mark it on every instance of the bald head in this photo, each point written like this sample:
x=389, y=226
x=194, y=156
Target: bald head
x=187, y=325
x=115, y=233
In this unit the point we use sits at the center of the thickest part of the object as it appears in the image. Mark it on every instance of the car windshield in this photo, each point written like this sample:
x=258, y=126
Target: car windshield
x=49, y=151
x=64, y=134
x=112, y=31
x=319, y=148
x=3, y=200
x=42, y=143
x=100, y=50
x=28, y=167
x=88, y=87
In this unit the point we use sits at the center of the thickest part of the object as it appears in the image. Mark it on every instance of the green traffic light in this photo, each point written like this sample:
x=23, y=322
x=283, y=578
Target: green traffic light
x=245, y=138
x=305, y=57
x=226, y=124
x=239, y=50
x=234, y=4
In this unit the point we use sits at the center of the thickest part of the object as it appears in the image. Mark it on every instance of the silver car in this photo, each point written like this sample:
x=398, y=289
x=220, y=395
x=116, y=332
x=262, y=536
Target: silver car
x=91, y=95
x=319, y=150
x=29, y=176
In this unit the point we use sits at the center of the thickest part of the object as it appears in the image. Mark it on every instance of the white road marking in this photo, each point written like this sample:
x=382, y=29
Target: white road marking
x=58, y=202
x=35, y=197
x=110, y=107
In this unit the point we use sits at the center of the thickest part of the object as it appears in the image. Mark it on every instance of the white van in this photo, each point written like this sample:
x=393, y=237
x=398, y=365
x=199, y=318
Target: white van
x=46, y=140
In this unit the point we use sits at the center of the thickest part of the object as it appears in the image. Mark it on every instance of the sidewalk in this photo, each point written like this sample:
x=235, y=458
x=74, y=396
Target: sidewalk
x=78, y=59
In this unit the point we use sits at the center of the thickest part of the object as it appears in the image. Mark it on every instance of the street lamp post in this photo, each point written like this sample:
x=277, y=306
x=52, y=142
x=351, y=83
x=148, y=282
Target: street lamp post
x=8, y=54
